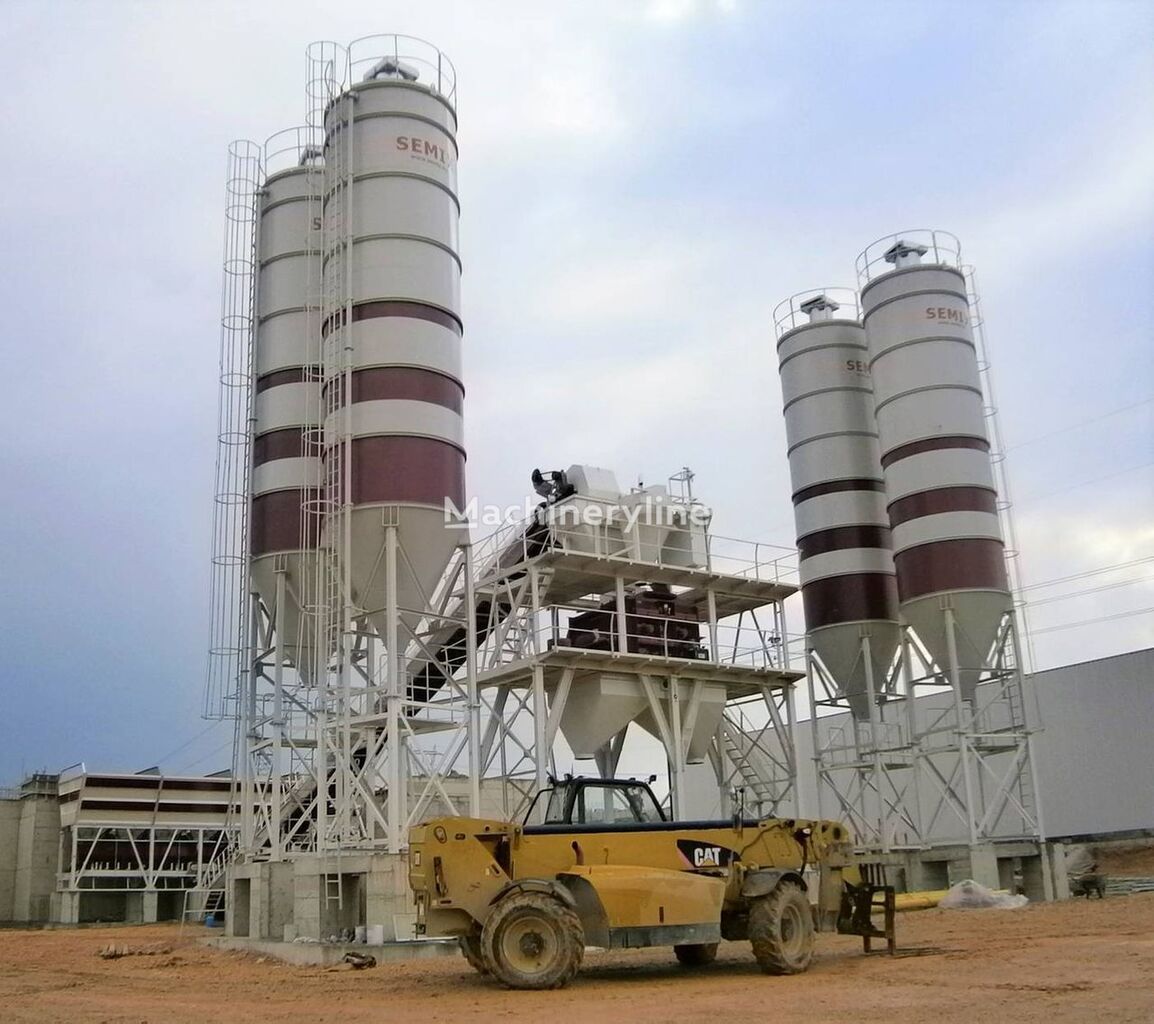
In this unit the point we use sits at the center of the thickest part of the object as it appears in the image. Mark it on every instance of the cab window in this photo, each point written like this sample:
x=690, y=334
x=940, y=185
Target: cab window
x=615, y=805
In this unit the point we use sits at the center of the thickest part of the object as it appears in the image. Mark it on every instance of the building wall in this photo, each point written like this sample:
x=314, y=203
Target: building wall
x=9, y=844
x=1095, y=752
x=29, y=849
x=37, y=858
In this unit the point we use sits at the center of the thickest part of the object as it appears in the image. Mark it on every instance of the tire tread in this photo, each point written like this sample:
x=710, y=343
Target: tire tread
x=548, y=905
x=764, y=931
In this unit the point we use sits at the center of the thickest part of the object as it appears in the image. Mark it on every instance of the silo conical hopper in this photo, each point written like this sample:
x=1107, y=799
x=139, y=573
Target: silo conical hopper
x=703, y=728
x=393, y=197
x=598, y=707
x=941, y=499
x=286, y=466
x=651, y=523
x=843, y=537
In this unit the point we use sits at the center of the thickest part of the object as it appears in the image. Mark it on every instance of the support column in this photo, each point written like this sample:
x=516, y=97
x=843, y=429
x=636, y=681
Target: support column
x=984, y=865
x=247, y=723
x=711, y=611
x=622, y=625
x=677, y=754
x=815, y=734
x=540, y=723
x=960, y=707
x=396, y=804
x=276, y=795
x=473, y=724
x=875, y=736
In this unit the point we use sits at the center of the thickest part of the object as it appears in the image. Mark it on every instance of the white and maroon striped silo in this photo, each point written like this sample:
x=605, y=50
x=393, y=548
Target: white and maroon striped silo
x=940, y=492
x=843, y=536
x=393, y=391
x=286, y=465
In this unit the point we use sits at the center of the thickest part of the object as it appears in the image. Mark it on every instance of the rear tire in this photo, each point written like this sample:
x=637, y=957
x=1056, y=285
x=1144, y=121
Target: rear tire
x=781, y=930
x=471, y=950
x=532, y=941
x=696, y=955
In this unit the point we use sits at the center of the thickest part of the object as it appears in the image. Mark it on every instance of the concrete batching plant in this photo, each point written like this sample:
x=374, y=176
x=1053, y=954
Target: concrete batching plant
x=380, y=669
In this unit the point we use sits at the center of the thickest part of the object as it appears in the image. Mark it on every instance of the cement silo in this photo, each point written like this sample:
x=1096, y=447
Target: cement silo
x=286, y=464
x=394, y=434
x=940, y=493
x=843, y=536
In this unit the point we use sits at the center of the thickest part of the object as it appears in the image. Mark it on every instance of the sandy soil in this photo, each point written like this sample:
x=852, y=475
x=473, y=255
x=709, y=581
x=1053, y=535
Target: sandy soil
x=1133, y=859
x=1070, y=962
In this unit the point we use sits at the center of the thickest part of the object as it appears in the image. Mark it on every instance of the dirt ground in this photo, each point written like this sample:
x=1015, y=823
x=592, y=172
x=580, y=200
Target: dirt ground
x=1125, y=859
x=1068, y=962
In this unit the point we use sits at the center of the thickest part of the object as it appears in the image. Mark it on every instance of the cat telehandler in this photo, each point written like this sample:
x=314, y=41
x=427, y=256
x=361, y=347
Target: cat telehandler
x=596, y=863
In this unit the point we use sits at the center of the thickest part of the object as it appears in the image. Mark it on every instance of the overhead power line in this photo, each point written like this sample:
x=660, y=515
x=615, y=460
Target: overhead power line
x=1088, y=573
x=1101, y=618
x=187, y=743
x=227, y=744
x=1090, y=590
x=1081, y=423
x=1086, y=483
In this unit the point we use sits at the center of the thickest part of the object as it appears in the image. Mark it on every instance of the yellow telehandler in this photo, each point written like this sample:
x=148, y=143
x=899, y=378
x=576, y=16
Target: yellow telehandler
x=596, y=863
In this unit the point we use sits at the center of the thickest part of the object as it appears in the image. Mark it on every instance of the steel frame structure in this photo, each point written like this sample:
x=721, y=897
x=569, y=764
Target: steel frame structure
x=526, y=592
x=930, y=767
x=153, y=857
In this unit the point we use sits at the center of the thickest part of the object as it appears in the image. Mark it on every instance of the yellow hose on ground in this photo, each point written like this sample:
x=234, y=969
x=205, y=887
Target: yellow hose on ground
x=925, y=899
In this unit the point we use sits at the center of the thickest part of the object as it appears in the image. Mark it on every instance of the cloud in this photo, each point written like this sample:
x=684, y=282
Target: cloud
x=1108, y=193
x=641, y=184
x=672, y=12
x=1058, y=544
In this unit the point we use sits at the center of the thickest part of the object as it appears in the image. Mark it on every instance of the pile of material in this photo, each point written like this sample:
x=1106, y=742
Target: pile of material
x=970, y=895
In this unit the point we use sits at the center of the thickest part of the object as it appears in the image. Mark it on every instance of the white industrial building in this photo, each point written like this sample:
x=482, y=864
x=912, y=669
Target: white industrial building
x=81, y=847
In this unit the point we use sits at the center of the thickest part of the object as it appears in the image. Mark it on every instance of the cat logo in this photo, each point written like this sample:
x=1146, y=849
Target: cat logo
x=703, y=856
x=707, y=857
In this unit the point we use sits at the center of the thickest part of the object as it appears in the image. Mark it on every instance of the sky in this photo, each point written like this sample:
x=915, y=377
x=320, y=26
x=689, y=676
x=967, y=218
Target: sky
x=641, y=183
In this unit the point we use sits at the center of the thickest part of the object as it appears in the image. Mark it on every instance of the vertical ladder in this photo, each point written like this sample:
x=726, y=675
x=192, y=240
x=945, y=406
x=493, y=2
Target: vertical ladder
x=336, y=375
x=333, y=889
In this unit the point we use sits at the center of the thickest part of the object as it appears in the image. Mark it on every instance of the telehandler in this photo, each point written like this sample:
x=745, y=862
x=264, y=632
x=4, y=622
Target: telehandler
x=596, y=863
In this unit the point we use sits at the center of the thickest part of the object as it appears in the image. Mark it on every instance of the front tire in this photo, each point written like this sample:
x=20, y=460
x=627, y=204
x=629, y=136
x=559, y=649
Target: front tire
x=781, y=930
x=471, y=950
x=532, y=941
x=697, y=955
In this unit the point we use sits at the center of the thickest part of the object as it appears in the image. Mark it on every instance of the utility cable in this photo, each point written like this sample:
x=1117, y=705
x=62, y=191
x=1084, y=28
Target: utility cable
x=1086, y=483
x=186, y=744
x=1102, y=618
x=1089, y=572
x=1081, y=423
x=1090, y=590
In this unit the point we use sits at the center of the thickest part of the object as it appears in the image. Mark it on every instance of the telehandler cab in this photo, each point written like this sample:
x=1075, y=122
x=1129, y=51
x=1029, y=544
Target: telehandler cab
x=596, y=863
